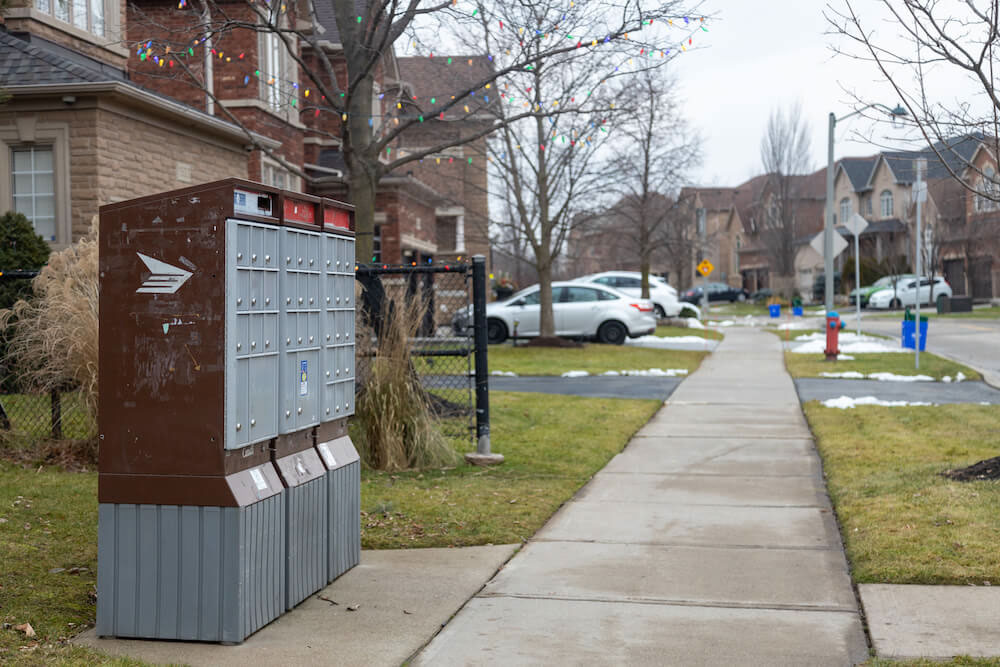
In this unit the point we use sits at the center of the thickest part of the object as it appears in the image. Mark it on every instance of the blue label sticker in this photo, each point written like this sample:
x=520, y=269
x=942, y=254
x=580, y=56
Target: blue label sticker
x=303, y=378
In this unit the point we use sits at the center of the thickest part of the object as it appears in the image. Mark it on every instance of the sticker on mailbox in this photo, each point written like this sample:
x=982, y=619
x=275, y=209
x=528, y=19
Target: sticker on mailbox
x=303, y=378
x=258, y=479
x=324, y=449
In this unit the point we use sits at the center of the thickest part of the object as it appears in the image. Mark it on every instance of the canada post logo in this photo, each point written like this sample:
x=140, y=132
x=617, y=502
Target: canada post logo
x=165, y=279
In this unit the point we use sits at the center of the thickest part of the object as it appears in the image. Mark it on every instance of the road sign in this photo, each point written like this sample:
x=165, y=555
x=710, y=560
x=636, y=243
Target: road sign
x=856, y=224
x=705, y=268
x=838, y=244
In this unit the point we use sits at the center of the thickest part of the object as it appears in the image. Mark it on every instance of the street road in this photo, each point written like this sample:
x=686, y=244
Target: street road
x=975, y=343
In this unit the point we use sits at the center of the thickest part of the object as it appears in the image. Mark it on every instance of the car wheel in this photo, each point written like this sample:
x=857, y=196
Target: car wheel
x=496, y=331
x=612, y=333
x=895, y=303
x=659, y=312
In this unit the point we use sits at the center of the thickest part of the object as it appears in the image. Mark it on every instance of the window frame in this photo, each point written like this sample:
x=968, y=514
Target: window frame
x=105, y=24
x=33, y=194
x=30, y=131
x=883, y=197
x=845, y=209
x=276, y=63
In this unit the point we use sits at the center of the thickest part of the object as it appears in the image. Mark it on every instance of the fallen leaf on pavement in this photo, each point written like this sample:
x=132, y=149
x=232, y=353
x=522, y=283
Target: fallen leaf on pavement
x=407, y=612
x=354, y=607
x=326, y=599
x=26, y=629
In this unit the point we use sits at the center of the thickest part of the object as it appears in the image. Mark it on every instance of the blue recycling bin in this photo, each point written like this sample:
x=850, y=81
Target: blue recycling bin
x=797, y=311
x=909, y=326
x=775, y=309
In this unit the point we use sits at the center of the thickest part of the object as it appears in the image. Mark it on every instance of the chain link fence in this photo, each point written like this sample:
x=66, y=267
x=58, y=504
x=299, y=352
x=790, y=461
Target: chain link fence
x=442, y=349
x=28, y=416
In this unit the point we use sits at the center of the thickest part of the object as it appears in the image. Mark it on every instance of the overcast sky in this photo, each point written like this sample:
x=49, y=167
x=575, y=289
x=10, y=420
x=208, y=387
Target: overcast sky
x=762, y=55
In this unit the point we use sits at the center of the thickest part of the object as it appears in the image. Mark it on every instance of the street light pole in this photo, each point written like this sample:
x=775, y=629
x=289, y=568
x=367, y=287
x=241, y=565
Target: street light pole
x=828, y=225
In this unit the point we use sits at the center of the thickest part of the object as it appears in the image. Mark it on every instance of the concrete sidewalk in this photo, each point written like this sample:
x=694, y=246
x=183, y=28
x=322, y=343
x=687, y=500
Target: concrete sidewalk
x=709, y=540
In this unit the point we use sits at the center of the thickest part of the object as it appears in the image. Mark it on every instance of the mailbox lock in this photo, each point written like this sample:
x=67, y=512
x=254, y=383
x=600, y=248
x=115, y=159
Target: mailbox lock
x=253, y=301
x=347, y=370
x=300, y=260
x=239, y=255
x=338, y=336
x=328, y=373
x=300, y=299
x=338, y=299
x=347, y=299
x=299, y=411
x=300, y=339
x=267, y=301
x=267, y=343
x=253, y=344
x=347, y=404
x=310, y=299
x=288, y=299
x=328, y=299
x=239, y=426
x=267, y=259
x=346, y=336
x=288, y=414
x=288, y=341
x=253, y=422
x=328, y=411
x=239, y=301
x=328, y=336
x=288, y=260
x=338, y=372
x=253, y=257
x=328, y=262
x=311, y=262
x=310, y=339
x=239, y=346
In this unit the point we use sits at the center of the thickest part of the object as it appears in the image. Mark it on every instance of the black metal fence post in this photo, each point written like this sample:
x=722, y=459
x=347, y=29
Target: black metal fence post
x=482, y=455
x=56, y=398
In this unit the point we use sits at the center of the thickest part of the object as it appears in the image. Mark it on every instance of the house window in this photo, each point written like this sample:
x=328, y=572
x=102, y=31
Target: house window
x=84, y=14
x=885, y=199
x=33, y=188
x=700, y=213
x=272, y=173
x=845, y=209
x=377, y=245
x=277, y=70
x=868, y=204
x=988, y=188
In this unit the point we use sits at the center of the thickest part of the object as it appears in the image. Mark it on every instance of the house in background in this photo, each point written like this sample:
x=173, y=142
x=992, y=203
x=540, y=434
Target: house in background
x=94, y=117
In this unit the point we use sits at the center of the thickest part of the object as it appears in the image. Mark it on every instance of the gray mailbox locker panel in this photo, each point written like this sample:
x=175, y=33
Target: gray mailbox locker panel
x=338, y=338
x=252, y=329
x=301, y=324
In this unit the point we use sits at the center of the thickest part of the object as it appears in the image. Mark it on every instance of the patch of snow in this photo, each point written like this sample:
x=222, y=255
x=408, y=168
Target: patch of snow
x=892, y=377
x=694, y=323
x=506, y=374
x=666, y=341
x=725, y=323
x=960, y=376
x=846, y=402
x=847, y=375
x=845, y=337
x=946, y=378
x=651, y=372
x=575, y=374
x=784, y=326
x=845, y=357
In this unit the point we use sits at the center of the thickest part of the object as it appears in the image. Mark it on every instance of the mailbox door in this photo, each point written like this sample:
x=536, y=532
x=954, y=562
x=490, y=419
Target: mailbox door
x=251, y=333
x=301, y=385
x=338, y=334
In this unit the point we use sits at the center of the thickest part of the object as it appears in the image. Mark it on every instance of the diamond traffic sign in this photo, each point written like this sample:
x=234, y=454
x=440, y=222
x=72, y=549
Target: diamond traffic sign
x=705, y=267
x=856, y=224
x=838, y=244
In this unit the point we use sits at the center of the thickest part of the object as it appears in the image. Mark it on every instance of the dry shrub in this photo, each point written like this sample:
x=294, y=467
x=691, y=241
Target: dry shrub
x=396, y=425
x=53, y=337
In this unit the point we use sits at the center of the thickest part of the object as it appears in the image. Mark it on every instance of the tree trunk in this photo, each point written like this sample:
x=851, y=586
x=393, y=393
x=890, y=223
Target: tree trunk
x=361, y=191
x=363, y=168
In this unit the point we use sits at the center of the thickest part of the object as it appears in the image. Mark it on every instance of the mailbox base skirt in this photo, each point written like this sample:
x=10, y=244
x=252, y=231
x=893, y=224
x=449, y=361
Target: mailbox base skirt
x=344, y=497
x=214, y=574
x=306, y=511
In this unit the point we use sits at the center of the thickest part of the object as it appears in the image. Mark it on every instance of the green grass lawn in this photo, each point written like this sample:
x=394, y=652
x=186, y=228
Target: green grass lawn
x=903, y=523
x=665, y=331
x=48, y=527
x=811, y=365
x=959, y=661
x=551, y=444
x=593, y=358
x=718, y=310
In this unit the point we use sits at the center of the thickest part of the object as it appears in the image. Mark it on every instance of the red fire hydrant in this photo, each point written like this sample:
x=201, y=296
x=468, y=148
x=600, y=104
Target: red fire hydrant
x=833, y=327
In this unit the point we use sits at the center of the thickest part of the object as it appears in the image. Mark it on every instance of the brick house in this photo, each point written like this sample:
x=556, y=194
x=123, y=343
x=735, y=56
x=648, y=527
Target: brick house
x=90, y=121
x=718, y=233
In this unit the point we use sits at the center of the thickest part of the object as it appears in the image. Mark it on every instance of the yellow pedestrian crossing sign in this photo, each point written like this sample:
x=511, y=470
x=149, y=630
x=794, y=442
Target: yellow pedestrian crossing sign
x=705, y=267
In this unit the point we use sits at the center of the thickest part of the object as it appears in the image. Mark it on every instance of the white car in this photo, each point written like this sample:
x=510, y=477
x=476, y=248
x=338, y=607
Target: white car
x=580, y=311
x=906, y=294
x=663, y=296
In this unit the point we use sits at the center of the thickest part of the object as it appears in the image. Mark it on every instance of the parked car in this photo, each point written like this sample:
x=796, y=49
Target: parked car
x=663, y=296
x=905, y=293
x=716, y=292
x=762, y=295
x=819, y=286
x=581, y=311
x=866, y=291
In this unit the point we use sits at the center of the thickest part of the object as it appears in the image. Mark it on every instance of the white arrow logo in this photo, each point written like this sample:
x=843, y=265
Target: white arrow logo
x=166, y=279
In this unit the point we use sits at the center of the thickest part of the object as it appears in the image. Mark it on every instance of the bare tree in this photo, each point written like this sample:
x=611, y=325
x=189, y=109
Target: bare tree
x=654, y=157
x=342, y=73
x=784, y=154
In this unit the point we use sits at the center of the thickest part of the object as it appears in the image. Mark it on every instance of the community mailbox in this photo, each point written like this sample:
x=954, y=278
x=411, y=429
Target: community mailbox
x=226, y=349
